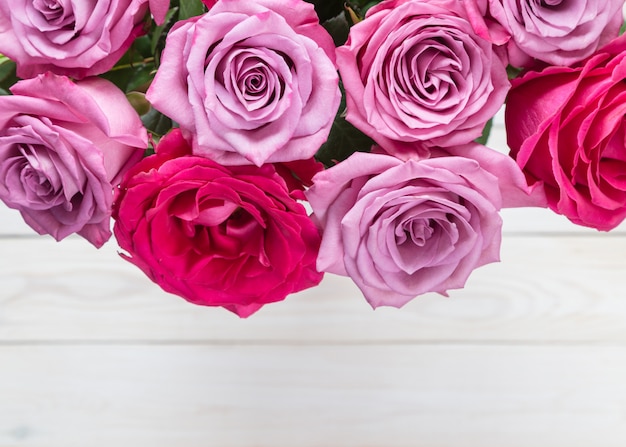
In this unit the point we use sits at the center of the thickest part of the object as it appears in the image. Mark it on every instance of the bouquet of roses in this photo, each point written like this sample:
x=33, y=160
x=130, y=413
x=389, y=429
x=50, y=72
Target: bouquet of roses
x=243, y=148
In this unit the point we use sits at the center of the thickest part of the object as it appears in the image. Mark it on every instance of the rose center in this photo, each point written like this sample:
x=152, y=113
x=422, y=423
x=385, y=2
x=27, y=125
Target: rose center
x=59, y=19
x=34, y=170
x=52, y=10
x=425, y=74
x=418, y=231
x=549, y=3
x=254, y=83
x=35, y=181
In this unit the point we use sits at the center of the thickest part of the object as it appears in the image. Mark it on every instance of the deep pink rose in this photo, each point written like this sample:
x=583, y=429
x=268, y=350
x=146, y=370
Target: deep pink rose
x=566, y=129
x=298, y=174
x=63, y=146
x=77, y=38
x=416, y=72
x=403, y=228
x=250, y=81
x=558, y=32
x=216, y=236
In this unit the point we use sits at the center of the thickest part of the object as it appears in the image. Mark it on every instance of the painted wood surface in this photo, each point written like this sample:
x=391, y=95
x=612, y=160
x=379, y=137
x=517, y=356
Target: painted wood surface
x=309, y=396
x=531, y=353
x=547, y=288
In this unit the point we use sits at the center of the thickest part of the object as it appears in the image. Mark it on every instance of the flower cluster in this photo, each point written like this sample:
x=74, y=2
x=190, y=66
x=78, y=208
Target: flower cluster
x=238, y=150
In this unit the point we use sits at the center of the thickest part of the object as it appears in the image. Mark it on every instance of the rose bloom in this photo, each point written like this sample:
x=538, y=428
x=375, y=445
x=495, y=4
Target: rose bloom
x=250, y=82
x=416, y=72
x=566, y=129
x=77, y=38
x=215, y=235
x=558, y=32
x=400, y=229
x=63, y=146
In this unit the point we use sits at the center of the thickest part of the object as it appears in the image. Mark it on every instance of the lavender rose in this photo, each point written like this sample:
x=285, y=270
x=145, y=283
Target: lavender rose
x=403, y=228
x=62, y=147
x=416, y=72
x=77, y=38
x=559, y=32
x=250, y=82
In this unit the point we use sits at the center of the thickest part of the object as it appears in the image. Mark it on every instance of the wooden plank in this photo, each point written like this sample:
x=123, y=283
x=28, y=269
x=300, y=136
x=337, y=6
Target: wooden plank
x=11, y=222
x=306, y=396
x=568, y=288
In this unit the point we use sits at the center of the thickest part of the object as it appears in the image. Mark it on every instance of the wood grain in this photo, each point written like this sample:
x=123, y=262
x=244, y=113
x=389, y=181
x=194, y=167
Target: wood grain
x=546, y=289
x=312, y=396
x=531, y=353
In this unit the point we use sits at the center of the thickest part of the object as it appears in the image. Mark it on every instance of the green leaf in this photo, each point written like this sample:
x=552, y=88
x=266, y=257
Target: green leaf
x=158, y=33
x=486, y=131
x=190, y=8
x=338, y=27
x=343, y=141
x=6, y=67
x=512, y=71
x=139, y=102
x=141, y=78
x=360, y=7
x=129, y=77
x=327, y=9
x=7, y=73
x=367, y=6
x=135, y=69
x=344, y=138
x=157, y=123
x=142, y=46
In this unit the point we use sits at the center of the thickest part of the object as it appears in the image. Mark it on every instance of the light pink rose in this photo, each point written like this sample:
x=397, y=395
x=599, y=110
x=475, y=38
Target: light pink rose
x=77, y=38
x=416, y=73
x=214, y=235
x=566, y=129
x=558, y=32
x=250, y=82
x=400, y=229
x=63, y=146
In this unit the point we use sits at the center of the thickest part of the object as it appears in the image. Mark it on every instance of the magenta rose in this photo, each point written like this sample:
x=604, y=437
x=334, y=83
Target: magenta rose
x=416, y=72
x=558, y=32
x=400, y=229
x=63, y=146
x=216, y=236
x=77, y=38
x=566, y=129
x=250, y=82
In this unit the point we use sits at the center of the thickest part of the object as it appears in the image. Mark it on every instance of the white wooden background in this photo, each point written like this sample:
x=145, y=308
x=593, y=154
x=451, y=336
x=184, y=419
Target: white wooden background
x=531, y=353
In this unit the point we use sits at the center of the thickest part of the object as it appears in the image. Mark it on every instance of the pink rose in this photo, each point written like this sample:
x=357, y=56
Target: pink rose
x=158, y=9
x=63, y=146
x=416, y=72
x=250, y=82
x=77, y=38
x=559, y=32
x=403, y=228
x=216, y=236
x=566, y=129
